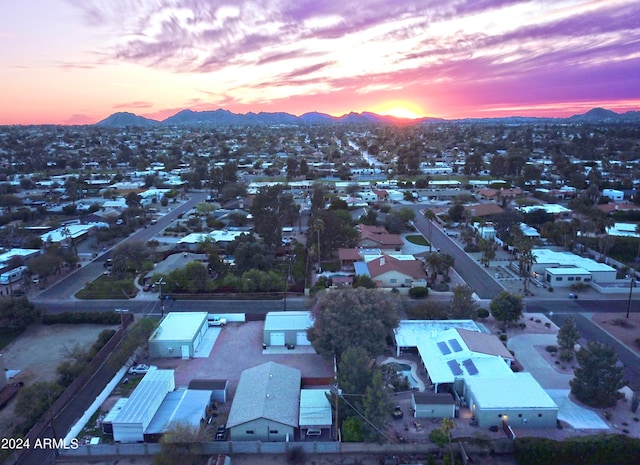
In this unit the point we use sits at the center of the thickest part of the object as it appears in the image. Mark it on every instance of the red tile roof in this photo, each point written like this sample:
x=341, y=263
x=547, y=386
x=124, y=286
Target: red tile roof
x=412, y=268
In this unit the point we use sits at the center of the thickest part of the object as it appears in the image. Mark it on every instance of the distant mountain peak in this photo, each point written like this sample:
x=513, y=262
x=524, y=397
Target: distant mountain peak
x=222, y=116
x=124, y=119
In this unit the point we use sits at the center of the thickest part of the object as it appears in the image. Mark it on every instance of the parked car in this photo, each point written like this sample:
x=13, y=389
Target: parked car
x=146, y=287
x=217, y=321
x=397, y=412
x=140, y=369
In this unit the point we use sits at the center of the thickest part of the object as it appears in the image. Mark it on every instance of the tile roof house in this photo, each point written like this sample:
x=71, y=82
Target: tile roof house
x=483, y=209
x=388, y=271
x=377, y=236
x=266, y=406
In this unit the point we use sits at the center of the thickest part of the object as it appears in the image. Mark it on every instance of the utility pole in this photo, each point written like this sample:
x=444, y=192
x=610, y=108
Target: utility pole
x=631, y=284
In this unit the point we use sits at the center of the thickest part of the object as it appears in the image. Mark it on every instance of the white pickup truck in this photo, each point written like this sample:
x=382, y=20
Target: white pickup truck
x=215, y=320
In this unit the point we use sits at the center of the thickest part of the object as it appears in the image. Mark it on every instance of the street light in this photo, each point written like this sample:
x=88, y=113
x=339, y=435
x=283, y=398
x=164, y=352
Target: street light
x=161, y=282
x=631, y=284
x=286, y=281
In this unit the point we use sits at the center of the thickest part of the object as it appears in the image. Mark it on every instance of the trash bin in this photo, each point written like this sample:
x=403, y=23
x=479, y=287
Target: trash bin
x=571, y=296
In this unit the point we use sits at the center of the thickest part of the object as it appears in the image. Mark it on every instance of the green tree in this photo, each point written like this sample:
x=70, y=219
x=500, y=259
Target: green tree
x=377, y=408
x=506, y=307
x=17, y=313
x=352, y=430
x=353, y=318
x=34, y=400
x=463, y=305
x=364, y=281
x=598, y=377
x=568, y=334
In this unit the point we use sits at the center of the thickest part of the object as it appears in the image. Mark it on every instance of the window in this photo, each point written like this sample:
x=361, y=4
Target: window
x=570, y=278
x=393, y=280
x=273, y=431
x=578, y=278
x=250, y=431
x=558, y=278
x=539, y=415
x=586, y=280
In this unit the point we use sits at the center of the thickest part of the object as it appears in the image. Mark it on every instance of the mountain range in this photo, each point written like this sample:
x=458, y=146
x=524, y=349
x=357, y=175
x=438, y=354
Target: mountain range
x=228, y=118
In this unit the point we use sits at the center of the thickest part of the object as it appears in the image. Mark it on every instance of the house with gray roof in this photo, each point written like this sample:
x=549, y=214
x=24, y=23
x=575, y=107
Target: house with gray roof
x=266, y=406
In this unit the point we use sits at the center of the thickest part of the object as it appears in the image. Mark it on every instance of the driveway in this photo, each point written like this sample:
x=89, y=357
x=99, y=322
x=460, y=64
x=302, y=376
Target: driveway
x=554, y=383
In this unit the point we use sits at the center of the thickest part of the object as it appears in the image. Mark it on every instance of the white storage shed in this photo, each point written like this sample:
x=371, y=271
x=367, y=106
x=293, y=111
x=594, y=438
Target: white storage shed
x=178, y=335
x=287, y=328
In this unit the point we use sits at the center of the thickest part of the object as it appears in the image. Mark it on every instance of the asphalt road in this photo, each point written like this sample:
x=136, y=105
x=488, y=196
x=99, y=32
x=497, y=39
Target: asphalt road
x=473, y=274
x=75, y=281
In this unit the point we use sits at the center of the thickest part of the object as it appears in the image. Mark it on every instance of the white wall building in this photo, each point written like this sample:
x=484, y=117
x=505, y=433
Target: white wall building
x=178, y=335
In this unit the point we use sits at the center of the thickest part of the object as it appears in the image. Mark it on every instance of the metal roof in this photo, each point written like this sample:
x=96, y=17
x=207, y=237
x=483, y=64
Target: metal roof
x=315, y=409
x=283, y=321
x=270, y=391
x=183, y=406
x=147, y=397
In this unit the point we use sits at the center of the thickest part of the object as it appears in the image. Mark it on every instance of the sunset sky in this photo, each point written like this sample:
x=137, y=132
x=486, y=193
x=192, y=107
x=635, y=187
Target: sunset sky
x=78, y=61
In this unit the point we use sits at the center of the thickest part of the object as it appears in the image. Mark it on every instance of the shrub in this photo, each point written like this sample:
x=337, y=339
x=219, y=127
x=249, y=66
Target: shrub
x=551, y=349
x=71, y=318
x=550, y=289
x=440, y=287
x=418, y=292
x=503, y=337
x=483, y=313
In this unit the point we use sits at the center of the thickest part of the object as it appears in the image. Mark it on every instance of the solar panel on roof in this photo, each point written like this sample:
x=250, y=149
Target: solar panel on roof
x=471, y=367
x=454, y=367
x=444, y=348
x=455, y=345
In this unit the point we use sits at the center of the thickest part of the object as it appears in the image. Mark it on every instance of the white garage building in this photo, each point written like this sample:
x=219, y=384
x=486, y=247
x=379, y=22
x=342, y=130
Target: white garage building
x=132, y=420
x=178, y=335
x=287, y=328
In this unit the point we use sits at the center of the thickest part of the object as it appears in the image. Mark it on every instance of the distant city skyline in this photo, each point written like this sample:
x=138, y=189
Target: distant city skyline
x=78, y=61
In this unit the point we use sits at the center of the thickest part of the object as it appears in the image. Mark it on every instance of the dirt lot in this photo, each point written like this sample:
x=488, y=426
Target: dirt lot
x=38, y=352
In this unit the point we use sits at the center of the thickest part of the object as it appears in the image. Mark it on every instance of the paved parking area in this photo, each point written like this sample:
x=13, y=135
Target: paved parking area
x=238, y=347
x=554, y=383
x=577, y=416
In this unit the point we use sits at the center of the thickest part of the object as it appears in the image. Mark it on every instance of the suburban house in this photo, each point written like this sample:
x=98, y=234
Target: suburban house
x=474, y=368
x=266, y=406
x=481, y=210
x=498, y=195
x=556, y=210
x=388, y=271
x=378, y=237
x=562, y=269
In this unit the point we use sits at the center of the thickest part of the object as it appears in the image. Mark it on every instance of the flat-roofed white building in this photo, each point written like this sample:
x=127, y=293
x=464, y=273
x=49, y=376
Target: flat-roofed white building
x=550, y=259
x=554, y=209
x=565, y=277
x=287, y=328
x=178, y=335
x=517, y=400
x=315, y=411
x=134, y=417
x=409, y=333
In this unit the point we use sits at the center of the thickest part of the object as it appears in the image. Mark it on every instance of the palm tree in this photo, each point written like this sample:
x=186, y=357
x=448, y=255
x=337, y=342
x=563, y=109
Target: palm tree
x=434, y=262
x=428, y=214
x=318, y=226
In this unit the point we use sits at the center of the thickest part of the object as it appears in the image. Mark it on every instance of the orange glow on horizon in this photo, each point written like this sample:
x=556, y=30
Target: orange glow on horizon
x=399, y=109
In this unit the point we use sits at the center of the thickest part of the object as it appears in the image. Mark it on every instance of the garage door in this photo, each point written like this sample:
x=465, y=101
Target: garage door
x=301, y=339
x=276, y=339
